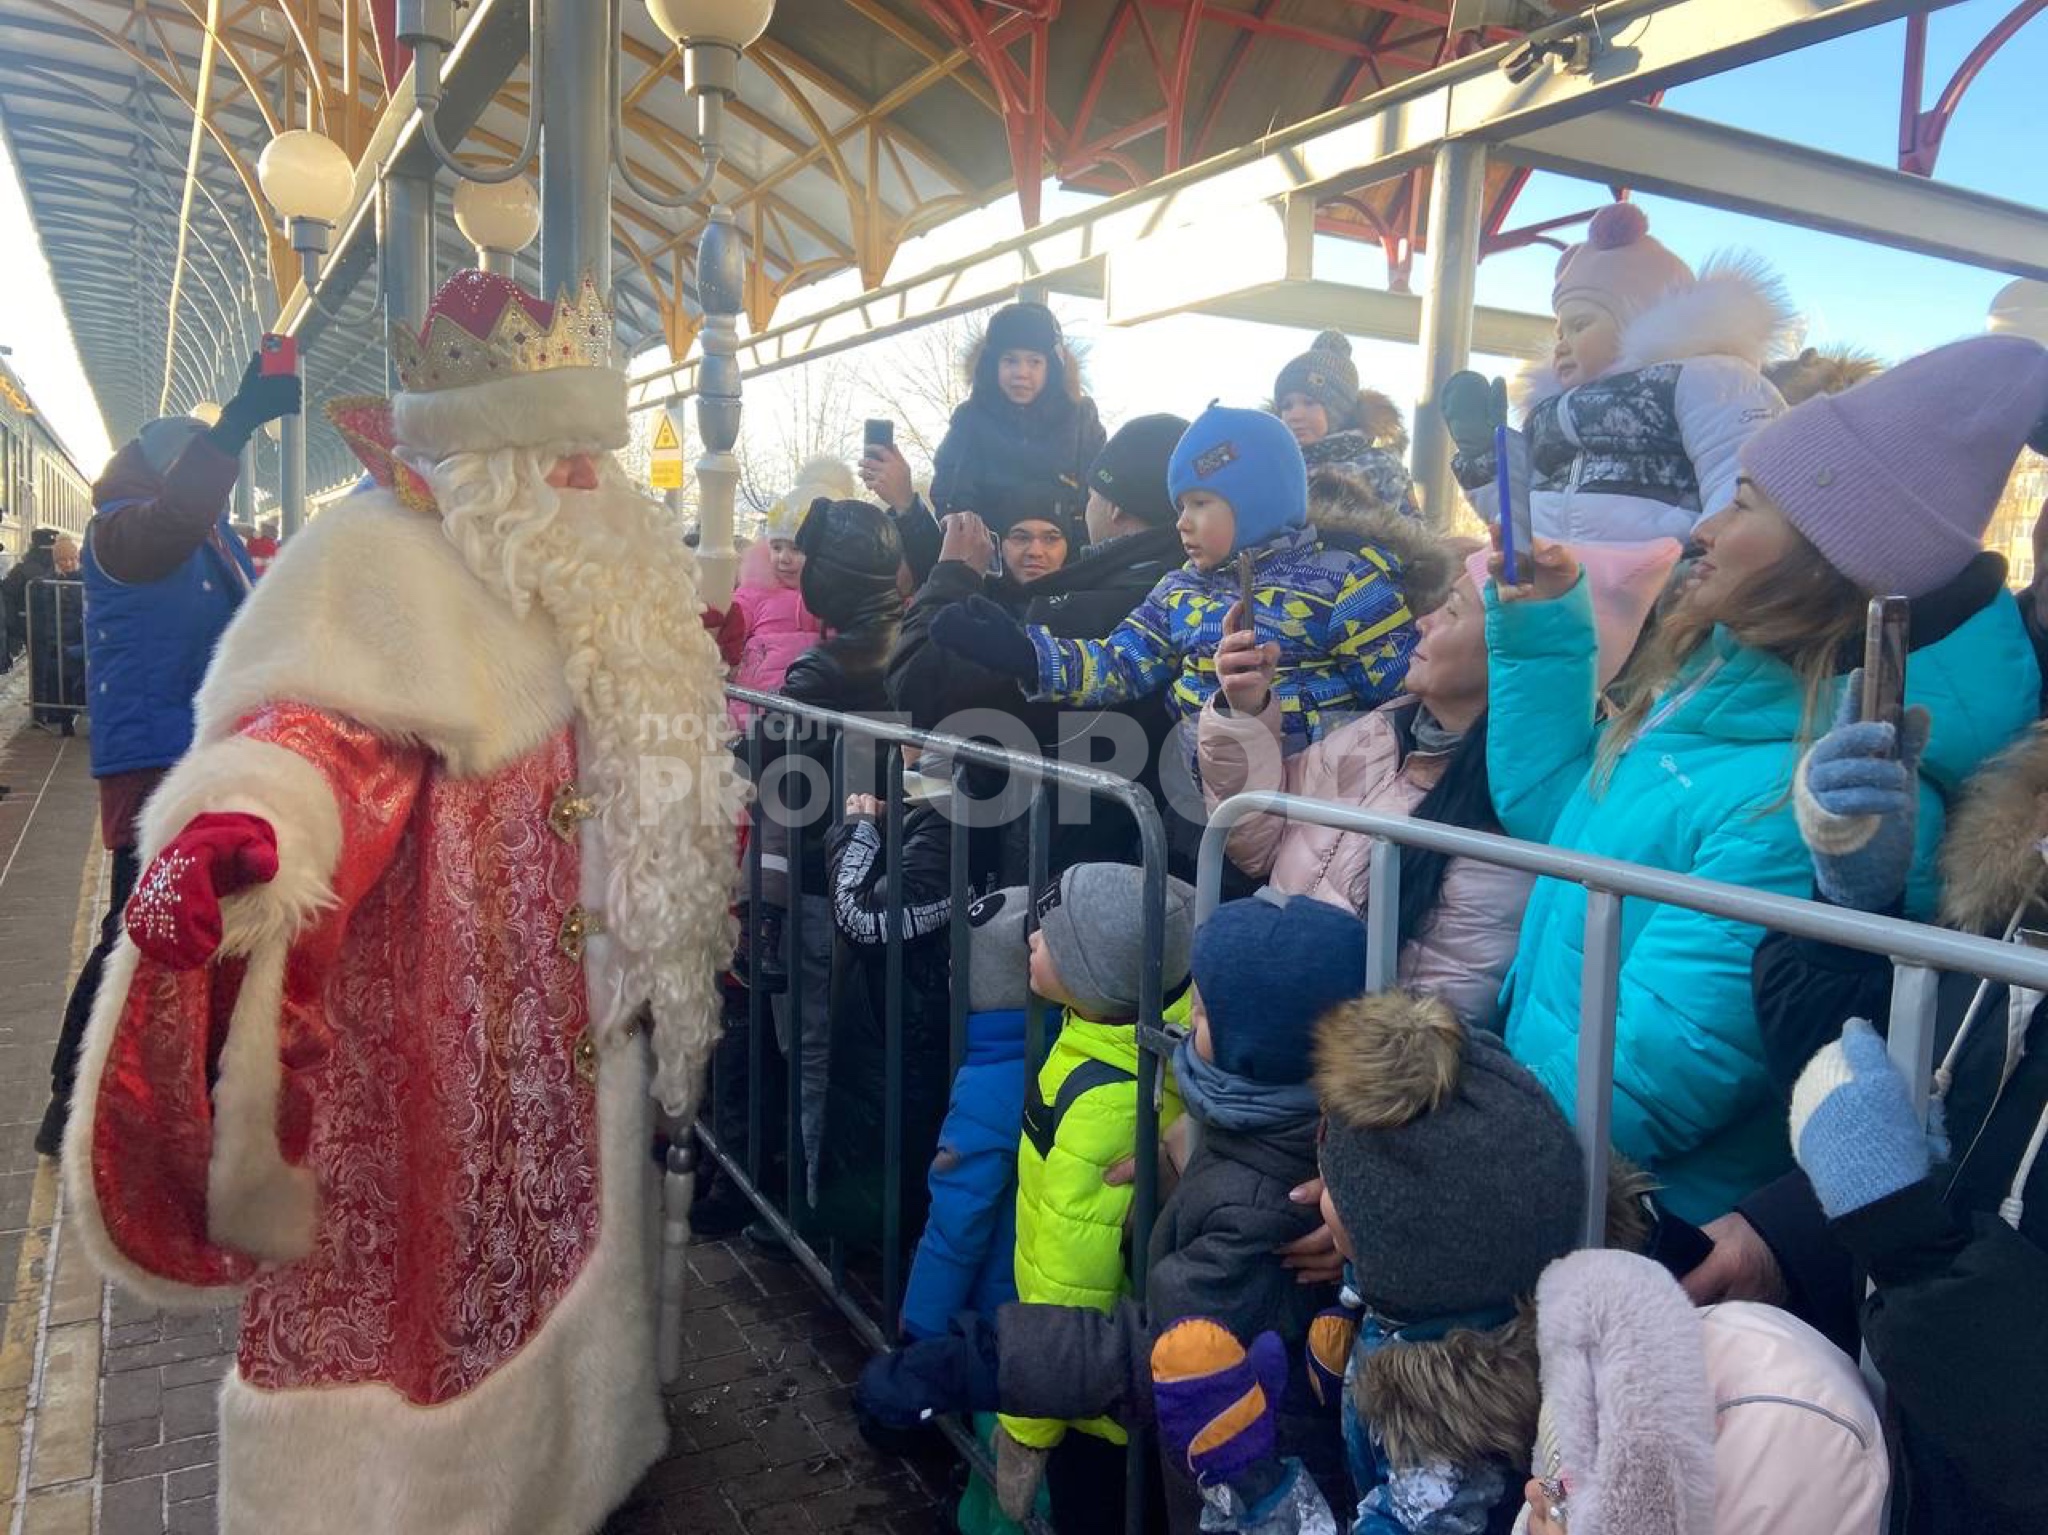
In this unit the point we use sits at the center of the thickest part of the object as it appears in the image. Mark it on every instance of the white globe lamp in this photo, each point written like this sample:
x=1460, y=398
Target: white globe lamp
x=735, y=23
x=2021, y=309
x=306, y=175
x=498, y=218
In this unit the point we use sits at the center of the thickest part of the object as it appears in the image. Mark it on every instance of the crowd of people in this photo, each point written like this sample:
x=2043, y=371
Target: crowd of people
x=1363, y=1306
x=1383, y=1317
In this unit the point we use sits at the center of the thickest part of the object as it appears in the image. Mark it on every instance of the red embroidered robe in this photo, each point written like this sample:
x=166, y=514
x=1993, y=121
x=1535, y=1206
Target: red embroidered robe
x=424, y=1164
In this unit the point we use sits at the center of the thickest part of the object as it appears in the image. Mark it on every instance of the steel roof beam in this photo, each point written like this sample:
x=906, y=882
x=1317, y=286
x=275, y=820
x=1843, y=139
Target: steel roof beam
x=1652, y=150
x=1655, y=44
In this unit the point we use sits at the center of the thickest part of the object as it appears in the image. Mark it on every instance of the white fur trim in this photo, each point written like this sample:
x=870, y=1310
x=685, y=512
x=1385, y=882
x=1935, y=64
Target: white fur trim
x=263, y=779
x=256, y=1202
x=548, y=1445
x=83, y=1216
x=1738, y=308
x=580, y=405
x=371, y=614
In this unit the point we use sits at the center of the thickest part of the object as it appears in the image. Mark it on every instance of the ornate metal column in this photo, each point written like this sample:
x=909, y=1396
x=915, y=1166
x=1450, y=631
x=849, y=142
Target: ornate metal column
x=721, y=273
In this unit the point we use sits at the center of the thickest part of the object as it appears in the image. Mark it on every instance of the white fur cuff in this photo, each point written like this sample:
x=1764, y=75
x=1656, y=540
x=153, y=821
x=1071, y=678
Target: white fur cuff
x=262, y=779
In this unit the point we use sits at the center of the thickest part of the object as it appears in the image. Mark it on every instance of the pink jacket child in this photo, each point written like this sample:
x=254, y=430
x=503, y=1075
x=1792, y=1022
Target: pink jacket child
x=767, y=627
x=1406, y=758
x=1658, y=1419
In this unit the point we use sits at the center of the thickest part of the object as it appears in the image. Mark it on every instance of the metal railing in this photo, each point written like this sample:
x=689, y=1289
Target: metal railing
x=1917, y=951
x=775, y=719
x=56, y=678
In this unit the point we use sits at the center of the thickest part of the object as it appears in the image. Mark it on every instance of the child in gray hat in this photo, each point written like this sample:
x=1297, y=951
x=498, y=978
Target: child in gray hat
x=1080, y=1120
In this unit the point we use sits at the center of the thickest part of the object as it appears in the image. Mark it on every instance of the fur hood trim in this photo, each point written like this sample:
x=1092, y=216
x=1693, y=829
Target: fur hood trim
x=1822, y=370
x=1072, y=372
x=370, y=613
x=1991, y=859
x=1738, y=307
x=1381, y=421
x=1470, y=1396
x=1343, y=505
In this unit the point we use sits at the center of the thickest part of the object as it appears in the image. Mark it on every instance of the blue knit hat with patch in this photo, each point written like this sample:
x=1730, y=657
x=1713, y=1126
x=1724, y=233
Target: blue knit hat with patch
x=1268, y=967
x=1252, y=461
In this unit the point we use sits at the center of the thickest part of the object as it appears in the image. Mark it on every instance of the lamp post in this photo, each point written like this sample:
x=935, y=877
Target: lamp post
x=500, y=218
x=308, y=181
x=712, y=35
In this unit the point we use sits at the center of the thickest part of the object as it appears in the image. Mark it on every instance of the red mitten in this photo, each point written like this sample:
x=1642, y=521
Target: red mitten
x=174, y=915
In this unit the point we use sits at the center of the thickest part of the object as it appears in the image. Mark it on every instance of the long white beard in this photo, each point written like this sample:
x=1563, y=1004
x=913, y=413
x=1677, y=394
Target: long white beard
x=610, y=568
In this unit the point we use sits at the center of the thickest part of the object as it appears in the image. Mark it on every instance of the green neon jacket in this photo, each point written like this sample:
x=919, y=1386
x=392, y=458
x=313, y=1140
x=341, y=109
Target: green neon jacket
x=1080, y=1120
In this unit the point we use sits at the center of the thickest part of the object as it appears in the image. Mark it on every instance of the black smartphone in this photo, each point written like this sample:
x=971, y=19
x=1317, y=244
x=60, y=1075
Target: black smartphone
x=1884, y=660
x=1248, y=613
x=877, y=434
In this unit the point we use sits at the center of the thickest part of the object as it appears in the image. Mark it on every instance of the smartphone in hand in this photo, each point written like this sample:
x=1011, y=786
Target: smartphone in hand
x=1247, y=612
x=877, y=433
x=1884, y=661
x=280, y=355
x=1517, y=526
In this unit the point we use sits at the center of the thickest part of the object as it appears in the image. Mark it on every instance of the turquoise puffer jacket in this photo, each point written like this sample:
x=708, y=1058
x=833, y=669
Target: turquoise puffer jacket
x=1701, y=791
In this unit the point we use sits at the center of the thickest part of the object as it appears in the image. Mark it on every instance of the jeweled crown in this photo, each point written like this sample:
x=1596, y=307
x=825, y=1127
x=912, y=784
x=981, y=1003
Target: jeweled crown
x=482, y=327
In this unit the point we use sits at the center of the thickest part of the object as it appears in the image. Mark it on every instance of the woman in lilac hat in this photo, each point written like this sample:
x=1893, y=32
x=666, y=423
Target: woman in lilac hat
x=1887, y=488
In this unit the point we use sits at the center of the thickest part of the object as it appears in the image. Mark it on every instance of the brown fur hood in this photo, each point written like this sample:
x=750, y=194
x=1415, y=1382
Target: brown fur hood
x=1821, y=370
x=1072, y=371
x=1991, y=859
x=1468, y=1397
x=1344, y=507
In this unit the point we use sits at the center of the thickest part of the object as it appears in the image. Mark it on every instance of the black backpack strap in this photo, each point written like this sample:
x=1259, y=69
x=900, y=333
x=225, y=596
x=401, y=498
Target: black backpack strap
x=1042, y=1124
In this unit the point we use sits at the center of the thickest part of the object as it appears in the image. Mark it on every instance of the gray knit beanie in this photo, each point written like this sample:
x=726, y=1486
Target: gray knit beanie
x=1092, y=917
x=1453, y=1170
x=998, y=961
x=1327, y=375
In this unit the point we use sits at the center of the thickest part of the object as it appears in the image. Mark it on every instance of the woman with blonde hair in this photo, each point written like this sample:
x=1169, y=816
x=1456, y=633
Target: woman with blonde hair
x=1884, y=489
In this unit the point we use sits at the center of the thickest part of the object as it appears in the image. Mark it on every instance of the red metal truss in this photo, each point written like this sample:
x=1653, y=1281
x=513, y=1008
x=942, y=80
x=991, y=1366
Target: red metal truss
x=989, y=34
x=1920, y=132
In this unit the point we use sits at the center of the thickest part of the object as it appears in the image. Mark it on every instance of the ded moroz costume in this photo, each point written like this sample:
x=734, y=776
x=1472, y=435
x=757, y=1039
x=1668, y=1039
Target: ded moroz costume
x=374, y=1058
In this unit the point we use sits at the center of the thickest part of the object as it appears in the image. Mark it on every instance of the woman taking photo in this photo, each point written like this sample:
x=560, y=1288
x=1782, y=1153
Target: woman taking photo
x=1887, y=488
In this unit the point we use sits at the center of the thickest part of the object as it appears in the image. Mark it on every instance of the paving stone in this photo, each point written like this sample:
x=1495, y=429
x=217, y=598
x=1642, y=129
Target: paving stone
x=705, y=1469
x=58, y=1511
x=873, y=1501
x=190, y=1410
x=783, y=1435
x=167, y=1352
x=133, y=1508
x=193, y=1482
x=128, y=1436
x=195, y=1518
x=158, y=1459
x=68, y=1412
x=189, y=1371
x=128, y=1398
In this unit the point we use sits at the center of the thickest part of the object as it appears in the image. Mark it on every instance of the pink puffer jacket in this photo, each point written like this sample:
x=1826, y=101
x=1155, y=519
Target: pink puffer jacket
x=1463, y=952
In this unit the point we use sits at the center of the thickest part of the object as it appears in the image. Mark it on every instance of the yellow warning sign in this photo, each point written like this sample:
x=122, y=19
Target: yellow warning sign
x=665, y=474
x=665, y=439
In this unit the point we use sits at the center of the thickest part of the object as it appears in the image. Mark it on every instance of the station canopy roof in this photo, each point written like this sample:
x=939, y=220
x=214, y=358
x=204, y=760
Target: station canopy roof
x=859, y=124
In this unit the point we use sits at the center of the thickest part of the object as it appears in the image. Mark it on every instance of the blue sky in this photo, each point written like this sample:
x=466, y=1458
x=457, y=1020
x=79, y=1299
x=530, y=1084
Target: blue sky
x=1841, y=97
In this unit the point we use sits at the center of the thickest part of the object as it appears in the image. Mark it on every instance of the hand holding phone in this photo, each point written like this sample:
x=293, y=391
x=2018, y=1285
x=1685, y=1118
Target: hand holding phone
x=1247, y=603
x=280, y=355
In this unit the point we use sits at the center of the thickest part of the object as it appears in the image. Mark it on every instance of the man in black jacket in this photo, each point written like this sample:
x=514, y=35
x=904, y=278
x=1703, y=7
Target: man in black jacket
x=1133, y=543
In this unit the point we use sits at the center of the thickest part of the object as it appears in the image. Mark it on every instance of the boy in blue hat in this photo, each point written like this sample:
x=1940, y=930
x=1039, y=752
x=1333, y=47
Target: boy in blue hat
x=1330, y=600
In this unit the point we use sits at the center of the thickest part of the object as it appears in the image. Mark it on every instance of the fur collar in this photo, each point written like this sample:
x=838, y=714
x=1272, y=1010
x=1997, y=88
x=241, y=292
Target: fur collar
x=1990, y=860
x=370, y=613
x=1344, y=508
x=1468, y=1397
x=1738, y=308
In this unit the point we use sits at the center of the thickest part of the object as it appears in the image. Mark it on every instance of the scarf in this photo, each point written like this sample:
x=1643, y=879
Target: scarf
x=1432, y=737
x=1230, y=1102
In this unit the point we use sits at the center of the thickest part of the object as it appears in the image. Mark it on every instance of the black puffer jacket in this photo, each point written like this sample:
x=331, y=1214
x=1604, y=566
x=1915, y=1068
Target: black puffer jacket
x=992, y=449
x=1957, y=1315
x=1084, y=600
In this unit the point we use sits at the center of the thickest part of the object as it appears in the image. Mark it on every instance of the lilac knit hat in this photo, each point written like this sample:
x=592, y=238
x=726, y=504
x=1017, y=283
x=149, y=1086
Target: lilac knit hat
x=1619, y=265
x=1895, y=481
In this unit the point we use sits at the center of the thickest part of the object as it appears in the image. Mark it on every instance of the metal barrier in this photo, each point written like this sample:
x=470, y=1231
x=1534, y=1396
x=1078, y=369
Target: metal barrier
x=776, y=718
x=1916, y=951
x=56, y=677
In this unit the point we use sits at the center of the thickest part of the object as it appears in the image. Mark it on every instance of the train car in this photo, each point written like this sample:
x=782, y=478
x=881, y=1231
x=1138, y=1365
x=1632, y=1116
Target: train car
x=40, y=484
